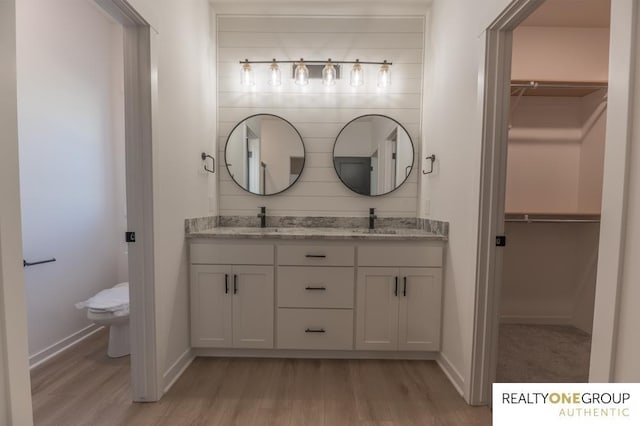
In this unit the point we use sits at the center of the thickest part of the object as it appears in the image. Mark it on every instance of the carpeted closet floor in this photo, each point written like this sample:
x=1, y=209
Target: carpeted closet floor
x=543, y=354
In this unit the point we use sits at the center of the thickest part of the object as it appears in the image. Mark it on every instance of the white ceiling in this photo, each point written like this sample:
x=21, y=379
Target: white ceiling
x=571, y=13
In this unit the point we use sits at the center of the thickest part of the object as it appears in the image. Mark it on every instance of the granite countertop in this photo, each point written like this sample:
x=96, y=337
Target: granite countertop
x=313, y=233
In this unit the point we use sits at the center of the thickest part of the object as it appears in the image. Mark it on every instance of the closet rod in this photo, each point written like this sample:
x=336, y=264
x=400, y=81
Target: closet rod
x=541, y=85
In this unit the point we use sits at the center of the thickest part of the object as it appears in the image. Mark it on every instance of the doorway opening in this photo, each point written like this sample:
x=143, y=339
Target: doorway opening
x=553, y=193
x=85, y=139
x=72, y=179
x=496, y=94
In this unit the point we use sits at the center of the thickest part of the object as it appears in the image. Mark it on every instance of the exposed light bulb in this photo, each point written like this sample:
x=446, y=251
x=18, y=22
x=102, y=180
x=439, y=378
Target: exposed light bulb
x=329, y=74
x=301, y=74
x=384, y=76
x=246, y=74
x=357, y=75
x=275, y=78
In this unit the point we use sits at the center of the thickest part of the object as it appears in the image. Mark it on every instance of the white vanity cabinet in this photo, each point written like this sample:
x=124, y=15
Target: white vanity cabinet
x=299, y=297
x=399, y=299
x=232, y=305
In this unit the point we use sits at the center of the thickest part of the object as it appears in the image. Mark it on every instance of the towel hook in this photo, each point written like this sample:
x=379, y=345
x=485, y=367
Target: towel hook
x=204, y=157
x=432, y=157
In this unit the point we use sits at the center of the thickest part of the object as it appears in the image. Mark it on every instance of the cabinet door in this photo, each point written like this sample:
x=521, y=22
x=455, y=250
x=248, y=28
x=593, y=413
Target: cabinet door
x=377, y=309
x=211, y=306
x=253, y=306
x=420, y=309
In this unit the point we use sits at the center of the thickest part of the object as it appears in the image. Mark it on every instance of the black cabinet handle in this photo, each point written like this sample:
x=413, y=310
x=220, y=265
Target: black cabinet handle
x=316, y=256
x=404, y=291
x=395, y=291
x=235, y=284
x=315, y=288
x=315, y=330
x=226, y=283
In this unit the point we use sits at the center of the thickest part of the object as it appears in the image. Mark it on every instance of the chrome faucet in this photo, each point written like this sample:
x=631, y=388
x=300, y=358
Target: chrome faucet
x=263, y=217
x=372, y=218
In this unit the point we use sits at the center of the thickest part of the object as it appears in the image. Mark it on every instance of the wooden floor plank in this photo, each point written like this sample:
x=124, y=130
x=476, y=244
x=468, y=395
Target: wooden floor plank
x=83, y=387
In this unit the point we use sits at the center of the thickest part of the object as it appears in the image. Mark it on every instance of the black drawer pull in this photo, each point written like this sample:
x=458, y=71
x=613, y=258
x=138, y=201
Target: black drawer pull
x=315, y=288
x=315, y=330
x=405, y=286
x=235, y=284
x=395, y=291
x=316, y=256
x=226, y=283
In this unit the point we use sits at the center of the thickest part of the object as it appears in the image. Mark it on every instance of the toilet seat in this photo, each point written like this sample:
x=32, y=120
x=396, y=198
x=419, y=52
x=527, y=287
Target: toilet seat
x=113, y=301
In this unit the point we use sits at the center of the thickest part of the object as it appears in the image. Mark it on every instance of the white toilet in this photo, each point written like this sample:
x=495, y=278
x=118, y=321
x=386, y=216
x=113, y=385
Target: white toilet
x=110, y=308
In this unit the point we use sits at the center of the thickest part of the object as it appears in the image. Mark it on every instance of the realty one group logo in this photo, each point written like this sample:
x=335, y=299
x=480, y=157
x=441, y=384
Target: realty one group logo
x=550, y=404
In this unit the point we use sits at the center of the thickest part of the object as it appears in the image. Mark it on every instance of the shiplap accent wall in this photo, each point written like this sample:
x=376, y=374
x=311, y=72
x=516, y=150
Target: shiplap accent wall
x=319, y=112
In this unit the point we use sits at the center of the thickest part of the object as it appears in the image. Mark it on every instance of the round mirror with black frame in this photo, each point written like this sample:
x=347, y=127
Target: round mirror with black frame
x=264, y=154
x=373, y=155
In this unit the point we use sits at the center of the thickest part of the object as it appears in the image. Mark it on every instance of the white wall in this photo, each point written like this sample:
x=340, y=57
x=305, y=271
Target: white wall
x=550, y=274
x=543, y=168
x=15, y=390
x=316, y=111
x=560, y=54
x=69, y=93
x=182, y=189
x=451, y=111
x=556, y=155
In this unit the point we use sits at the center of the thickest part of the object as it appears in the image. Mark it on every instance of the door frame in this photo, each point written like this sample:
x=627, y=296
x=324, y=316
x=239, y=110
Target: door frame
x=494, y=101
x=141, y=109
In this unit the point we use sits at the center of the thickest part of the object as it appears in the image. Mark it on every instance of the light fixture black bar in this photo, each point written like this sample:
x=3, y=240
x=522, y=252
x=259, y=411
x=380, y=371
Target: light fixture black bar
x=316, y=62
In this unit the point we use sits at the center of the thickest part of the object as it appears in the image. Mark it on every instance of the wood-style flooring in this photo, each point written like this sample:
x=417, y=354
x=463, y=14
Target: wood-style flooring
x=84, y=387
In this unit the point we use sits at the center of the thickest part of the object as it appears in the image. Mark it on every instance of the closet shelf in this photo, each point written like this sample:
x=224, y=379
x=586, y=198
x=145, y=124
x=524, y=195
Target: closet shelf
x=556, y=88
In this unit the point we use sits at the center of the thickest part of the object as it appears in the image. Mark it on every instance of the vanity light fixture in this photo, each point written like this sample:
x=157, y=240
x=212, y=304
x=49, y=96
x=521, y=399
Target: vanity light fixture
x=357, y=75
x=329, y=73
x=275, y=78
x=301, y=74
x=246, y=74
x=384, y=76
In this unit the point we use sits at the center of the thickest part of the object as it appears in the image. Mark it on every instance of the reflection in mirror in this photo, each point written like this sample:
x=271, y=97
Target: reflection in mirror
x=373, y=155
x=264, y=154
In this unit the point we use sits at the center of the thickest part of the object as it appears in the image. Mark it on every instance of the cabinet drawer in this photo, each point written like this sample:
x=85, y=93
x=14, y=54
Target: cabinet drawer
x=308, y=287
x=316, y=255
x=328, y=329
x=231, y=253
x=400, y=255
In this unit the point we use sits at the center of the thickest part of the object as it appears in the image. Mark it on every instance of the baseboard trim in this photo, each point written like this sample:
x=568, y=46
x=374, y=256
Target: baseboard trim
x=314, y=354
x=57, y=348
x=451, y=372
x=177, y=368
x=537, y=319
